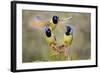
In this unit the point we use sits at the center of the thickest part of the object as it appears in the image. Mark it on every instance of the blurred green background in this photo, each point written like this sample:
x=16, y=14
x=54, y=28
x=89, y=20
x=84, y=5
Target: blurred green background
x=36, y=49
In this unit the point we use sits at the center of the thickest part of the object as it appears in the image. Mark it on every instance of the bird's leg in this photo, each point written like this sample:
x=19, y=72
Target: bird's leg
x=67, y=52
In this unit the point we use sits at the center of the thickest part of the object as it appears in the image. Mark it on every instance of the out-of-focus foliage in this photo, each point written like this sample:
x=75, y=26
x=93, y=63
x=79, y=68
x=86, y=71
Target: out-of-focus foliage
x=35, y=48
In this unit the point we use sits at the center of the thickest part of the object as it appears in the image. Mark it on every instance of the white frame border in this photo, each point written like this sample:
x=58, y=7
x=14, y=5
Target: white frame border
x=21, y=65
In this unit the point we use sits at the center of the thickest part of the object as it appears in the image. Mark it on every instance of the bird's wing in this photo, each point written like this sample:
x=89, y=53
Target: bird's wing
x=39, y=22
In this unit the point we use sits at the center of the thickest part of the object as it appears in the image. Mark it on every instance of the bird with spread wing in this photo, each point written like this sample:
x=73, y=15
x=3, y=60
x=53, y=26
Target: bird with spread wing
x=49, y=25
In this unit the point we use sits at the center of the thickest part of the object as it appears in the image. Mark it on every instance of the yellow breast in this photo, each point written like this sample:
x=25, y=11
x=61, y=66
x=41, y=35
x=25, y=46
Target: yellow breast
x=52, y=25
x=50, y=40
x=68, y=39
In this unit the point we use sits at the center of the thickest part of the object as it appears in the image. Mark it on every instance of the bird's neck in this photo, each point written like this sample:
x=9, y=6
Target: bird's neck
x=67, y=33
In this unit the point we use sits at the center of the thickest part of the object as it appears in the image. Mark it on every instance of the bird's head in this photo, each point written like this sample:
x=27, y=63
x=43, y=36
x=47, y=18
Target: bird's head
x=48, y=31
x=68, y=30
x=55, y=19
